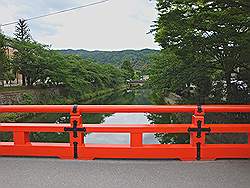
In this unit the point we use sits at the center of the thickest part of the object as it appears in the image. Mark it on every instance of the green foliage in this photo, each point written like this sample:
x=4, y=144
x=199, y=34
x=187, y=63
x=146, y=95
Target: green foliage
x=169, y=118
x=163, y=77
x=22, y=31
x=28, y=98
x=41, y=66
x=30, y=60
x=80, y=77
x=205, y=46
x=3, y=57
x=6, y=72
x=128, y=70
x=211, y=38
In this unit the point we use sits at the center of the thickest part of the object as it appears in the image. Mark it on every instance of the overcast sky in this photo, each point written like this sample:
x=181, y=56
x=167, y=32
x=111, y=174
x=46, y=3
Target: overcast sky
x=113, y=25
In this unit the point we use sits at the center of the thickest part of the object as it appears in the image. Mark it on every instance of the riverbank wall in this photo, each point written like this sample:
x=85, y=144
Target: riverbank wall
x=43, y=96
x=29, y=96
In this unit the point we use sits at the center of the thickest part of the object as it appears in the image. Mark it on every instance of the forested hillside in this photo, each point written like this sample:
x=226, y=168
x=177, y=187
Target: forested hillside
x=139, y=58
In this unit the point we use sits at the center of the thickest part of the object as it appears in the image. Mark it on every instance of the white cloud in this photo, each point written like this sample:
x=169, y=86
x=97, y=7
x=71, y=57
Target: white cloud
x=114, y=25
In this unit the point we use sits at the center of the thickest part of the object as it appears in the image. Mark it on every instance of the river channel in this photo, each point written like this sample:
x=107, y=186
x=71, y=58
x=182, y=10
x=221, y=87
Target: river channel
x=137, y=96
x=134, y=97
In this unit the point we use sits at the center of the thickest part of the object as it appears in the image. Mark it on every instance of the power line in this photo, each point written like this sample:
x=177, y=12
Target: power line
x=57, y=12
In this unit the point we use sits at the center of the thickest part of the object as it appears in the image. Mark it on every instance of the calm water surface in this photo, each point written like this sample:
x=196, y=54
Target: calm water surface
x=136, y=97
x=140, y=97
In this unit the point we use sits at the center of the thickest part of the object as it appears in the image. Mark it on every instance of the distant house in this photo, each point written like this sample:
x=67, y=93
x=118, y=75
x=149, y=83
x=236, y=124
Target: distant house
x=145, y=77
x=9, y=52
x=17, y=81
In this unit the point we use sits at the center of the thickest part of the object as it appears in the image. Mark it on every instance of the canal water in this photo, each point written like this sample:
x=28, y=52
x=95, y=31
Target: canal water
x=129, y=97
x=140, y=97
x=136, y=97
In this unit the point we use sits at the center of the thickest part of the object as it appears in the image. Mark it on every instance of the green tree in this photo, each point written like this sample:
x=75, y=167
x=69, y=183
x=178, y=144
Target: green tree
x=22, y=34
x=128, y=70
x=6, y=72
x=163, y=78
x=30, y=59
x=211, y=37
x=79, y=77
x=22, y=31
x=2, y=58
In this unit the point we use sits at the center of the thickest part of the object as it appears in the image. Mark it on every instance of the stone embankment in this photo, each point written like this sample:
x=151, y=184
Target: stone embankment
x=28, y=96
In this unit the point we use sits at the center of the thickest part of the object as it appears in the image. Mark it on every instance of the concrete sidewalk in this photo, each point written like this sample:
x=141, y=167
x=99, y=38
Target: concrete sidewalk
x=50, y=173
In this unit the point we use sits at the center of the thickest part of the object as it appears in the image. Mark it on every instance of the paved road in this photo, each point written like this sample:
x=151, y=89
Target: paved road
x=49, y=173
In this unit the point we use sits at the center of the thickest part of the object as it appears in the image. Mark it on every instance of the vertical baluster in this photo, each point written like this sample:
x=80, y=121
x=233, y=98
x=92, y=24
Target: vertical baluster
x=136, y=139
x=21, y=138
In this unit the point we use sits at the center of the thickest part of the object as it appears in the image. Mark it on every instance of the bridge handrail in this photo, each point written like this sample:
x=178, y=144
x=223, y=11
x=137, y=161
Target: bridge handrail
x=78, y=149
x=122, y=128
x=122, y=108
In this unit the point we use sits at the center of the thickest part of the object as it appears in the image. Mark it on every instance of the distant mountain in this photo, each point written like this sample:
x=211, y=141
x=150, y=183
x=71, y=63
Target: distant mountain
x=139, y=58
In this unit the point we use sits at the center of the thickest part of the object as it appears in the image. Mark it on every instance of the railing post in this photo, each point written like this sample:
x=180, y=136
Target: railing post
x=135, y=139
x=198, y=139
x=76, y=119
x=76, y=137
x=21, y=138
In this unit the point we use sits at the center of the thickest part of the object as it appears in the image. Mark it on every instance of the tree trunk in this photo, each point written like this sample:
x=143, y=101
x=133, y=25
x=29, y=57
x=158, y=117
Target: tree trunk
x=17, y=80
x=23, y=80
x=29, y=81
x=229, y=87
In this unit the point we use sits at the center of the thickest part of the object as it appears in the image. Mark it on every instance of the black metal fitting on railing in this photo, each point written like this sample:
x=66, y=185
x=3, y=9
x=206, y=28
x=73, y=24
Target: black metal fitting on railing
x=74, y=110
x=199, y=129
x=199, y=107
x=198, y=151
x=75, y=129
x=75, y=150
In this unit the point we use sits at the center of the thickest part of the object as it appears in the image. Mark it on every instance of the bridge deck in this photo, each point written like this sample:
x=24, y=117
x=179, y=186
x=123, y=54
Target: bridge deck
x=30, y=173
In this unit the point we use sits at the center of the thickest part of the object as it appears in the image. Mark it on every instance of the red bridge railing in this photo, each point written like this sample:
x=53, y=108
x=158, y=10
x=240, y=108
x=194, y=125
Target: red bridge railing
x=197, y=149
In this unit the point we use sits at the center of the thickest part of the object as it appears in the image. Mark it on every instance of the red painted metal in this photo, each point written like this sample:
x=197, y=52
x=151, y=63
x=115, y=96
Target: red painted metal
x=99, y=108
x=226, y=108
x=77, y=148
x=122, y=108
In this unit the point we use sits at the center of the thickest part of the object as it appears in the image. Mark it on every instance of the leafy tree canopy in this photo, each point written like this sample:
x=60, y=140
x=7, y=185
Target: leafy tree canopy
x=128, y=70
x=211, y=38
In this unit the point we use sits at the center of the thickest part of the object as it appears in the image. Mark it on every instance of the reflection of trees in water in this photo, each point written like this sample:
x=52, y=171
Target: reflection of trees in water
x=119, y=97
x=64, y=137
x=6, y=137
x=210, y=118
x=126, y=97
x=164, y=138
x=140, y=97
x=227, y=118
x=170, y=118
x=122, y=97
x=233, y=118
